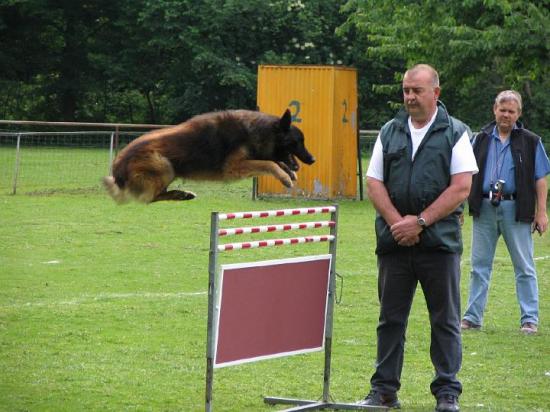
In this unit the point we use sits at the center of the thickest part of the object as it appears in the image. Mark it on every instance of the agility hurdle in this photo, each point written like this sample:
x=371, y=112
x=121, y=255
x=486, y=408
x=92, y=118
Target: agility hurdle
x=246, y=320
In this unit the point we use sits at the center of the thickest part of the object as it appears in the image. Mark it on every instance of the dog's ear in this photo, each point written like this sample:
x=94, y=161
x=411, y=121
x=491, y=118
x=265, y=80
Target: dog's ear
x=285, y=121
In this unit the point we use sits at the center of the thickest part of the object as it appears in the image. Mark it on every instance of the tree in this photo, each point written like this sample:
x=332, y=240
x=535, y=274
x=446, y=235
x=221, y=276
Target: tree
x=46, y=49
x=215, y=46
x=162, y=61
x=478, y=46
x=155, y=61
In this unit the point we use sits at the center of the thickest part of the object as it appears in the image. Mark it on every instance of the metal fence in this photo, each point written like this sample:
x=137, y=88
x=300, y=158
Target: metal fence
x=366, y=141
x=42, y=162
x=52, y=161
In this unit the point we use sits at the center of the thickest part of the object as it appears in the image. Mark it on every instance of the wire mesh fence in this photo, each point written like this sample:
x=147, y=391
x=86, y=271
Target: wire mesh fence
x=42, y=162
x=56, y=161
x=367, y=138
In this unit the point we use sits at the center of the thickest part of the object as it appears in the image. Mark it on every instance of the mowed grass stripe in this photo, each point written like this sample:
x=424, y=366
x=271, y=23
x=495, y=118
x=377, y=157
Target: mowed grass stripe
x=110, y=296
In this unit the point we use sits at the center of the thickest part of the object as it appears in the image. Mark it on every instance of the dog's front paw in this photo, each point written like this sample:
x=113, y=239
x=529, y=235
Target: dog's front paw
x=287, y=182
x=291, y=174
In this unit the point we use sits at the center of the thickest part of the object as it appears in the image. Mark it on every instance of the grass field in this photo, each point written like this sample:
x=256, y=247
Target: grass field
x=104, y=307
x=46, y=169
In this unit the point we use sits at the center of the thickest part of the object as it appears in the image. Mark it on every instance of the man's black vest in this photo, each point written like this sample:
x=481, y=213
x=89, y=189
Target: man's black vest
x=523, y=146
x=414, y=184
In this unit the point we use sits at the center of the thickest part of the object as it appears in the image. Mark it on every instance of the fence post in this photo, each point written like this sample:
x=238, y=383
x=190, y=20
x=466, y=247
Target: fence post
x=116, y=137
x=359, y=161
x=17, y=160
x=111, y=153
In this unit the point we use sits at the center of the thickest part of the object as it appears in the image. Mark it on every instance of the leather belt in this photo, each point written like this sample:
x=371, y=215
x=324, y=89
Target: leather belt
x=504, y=197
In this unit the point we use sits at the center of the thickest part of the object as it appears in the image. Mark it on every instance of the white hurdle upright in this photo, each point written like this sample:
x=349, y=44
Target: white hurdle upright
x=215, y=248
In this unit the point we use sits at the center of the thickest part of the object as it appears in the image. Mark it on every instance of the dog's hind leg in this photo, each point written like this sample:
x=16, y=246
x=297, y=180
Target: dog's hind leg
x=174, y=195
x=149, y=177
x=160, y=176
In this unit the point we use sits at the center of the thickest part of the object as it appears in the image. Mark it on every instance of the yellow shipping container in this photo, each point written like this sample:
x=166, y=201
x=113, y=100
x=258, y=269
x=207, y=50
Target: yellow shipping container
x=323, y=103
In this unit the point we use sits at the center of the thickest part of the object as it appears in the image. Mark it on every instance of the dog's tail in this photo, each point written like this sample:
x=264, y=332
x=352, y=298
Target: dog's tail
x=119, y=195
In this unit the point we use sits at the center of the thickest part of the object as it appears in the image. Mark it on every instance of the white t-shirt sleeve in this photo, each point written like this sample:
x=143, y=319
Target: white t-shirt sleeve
x=463, y=159
x=376, y=164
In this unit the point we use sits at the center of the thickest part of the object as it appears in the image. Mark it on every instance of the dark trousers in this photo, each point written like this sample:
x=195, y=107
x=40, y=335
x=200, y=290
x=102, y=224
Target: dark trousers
x=439, y=277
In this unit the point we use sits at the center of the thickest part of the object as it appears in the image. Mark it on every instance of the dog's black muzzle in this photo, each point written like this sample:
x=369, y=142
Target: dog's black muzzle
x=308, y=160
x=305, y=157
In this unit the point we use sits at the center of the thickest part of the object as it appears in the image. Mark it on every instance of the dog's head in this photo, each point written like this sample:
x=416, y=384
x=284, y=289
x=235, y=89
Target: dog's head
x=293, y=143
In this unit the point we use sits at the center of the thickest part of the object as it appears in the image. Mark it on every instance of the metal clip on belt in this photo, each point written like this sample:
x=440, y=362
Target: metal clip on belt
x=504, y=197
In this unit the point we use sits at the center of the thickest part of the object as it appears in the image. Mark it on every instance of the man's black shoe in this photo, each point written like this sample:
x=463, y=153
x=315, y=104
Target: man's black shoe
x=375, y=398
x=447, y=403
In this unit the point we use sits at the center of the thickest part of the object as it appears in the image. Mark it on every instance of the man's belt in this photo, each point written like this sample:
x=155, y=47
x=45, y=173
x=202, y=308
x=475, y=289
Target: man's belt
x=504, y=197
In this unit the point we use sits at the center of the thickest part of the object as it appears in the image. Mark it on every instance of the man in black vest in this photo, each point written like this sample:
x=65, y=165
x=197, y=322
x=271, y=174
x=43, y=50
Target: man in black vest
x=508, y=198
x=419, y=175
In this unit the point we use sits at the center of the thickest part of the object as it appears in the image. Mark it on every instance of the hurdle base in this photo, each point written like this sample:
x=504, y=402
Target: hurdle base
x=309, y=405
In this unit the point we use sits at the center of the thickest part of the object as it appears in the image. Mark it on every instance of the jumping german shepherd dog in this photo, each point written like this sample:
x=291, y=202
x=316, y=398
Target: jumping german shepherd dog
x=225, y=145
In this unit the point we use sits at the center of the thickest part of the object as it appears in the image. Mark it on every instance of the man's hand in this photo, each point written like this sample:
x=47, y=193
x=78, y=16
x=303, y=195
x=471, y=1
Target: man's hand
x=407, y=231
x=541, y=222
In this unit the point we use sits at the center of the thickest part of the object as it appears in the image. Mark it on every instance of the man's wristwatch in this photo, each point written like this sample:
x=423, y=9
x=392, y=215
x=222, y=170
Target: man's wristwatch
x=421, y=221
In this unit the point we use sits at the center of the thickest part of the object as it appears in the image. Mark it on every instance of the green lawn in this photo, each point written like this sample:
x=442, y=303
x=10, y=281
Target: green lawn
x=104, y=308
x=46, y=169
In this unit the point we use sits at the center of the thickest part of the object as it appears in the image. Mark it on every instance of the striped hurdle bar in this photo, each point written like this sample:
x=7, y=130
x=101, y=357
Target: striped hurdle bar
x=277, y=213
x=275, y=228
x=216, y=248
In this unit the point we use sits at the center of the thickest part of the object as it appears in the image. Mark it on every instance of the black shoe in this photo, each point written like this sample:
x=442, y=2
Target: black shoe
x=447, y=403
x=465, y=324
x=387, y=400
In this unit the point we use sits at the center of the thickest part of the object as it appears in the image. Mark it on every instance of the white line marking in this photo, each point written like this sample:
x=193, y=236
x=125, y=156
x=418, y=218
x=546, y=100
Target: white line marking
x=108, y=296
x=467, y=260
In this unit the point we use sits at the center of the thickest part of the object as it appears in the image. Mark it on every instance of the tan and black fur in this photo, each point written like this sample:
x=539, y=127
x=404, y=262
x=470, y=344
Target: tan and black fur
x=225, y=145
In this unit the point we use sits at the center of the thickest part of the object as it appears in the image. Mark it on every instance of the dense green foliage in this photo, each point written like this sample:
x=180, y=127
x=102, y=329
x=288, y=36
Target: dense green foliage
x=161, y=61
x=479, y=47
